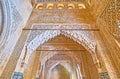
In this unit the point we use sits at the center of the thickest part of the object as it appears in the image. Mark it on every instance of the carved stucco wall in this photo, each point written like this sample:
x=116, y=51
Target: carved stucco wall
x=47, y=55
x=55, y=15
x=97, y=7
x=40, y=36
x=10, y=29
x=109, y=22
x=111, y=17
x=14, y=19
x=83, y=37
x=18, y=43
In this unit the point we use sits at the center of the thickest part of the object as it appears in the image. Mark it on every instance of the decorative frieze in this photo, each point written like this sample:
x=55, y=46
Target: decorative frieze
x=62, y=5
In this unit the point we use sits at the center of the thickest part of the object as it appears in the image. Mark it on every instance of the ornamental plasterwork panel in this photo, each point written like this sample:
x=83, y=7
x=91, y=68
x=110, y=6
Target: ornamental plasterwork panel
x=6, y=23
x=11, y=25
x=111, y=16
x=39, y=28
x=11, y=18
x=16, y=18
x=82, y=37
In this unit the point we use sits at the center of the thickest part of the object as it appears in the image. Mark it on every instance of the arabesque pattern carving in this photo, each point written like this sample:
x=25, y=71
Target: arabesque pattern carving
x=16, y=17
x=111, y=16
x=71, y=31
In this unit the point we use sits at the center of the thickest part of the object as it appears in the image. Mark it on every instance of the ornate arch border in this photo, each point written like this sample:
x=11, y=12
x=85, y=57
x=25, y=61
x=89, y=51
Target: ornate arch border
x=56, y=64
x=49, y=34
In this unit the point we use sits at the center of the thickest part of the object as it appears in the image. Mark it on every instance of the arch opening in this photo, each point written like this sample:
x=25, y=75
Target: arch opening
x=54, y=58
x=59, y=72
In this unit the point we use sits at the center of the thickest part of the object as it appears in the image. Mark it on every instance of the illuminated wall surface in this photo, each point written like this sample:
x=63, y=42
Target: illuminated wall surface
x=59, y=39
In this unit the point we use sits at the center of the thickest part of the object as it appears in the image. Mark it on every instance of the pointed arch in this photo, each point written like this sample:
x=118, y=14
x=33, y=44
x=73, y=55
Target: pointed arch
x=49, y=34
x=78, y=37
x=56, y=65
